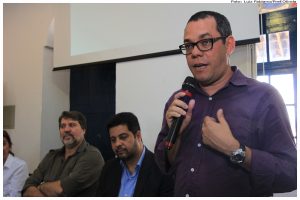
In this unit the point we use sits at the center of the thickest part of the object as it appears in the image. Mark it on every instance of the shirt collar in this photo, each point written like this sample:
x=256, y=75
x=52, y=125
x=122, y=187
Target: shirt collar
x=237, y=77
x=81, y=147
x=139, y=163
x=9, y=161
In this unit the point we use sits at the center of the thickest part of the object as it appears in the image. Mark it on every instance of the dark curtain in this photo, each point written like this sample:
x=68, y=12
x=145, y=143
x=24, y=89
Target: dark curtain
x=93, y=92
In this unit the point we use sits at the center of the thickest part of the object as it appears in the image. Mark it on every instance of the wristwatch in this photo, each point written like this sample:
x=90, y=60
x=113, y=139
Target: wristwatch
x=238, y=156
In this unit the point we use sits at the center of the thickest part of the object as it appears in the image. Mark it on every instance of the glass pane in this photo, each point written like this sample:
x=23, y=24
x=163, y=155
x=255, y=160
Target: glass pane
x=279, y=46
x=264, y=79
x=291, y=113
x=261, y=50
x=284, y=83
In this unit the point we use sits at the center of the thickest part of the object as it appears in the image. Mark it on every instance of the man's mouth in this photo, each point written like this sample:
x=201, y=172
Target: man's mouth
x=67, y=136
x=201, y=65
x=120, y=151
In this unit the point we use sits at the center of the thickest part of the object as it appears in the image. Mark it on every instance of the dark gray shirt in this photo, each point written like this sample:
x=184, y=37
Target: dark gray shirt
x=78, y=174
x=258, y=119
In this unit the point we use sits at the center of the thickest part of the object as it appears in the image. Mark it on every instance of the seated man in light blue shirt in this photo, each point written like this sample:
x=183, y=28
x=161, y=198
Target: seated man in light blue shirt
x=134, y=171
x=128, y=180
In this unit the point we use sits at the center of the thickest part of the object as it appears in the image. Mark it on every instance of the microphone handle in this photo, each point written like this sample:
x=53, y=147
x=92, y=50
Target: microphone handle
x=176, y=124
x=173, y=131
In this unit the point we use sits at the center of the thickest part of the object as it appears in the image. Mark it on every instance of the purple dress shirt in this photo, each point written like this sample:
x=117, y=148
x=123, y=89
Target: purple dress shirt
x=258, y=119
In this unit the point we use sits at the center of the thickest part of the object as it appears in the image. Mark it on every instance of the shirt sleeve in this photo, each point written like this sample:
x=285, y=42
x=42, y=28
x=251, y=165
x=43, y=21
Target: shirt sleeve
x=19, y=176
x=274, y=159
x=84, y=174
x=160, y=151
x=38, y=175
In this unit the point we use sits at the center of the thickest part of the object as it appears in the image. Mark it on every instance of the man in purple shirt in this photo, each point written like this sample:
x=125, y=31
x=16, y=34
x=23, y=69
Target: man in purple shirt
x=235, y=139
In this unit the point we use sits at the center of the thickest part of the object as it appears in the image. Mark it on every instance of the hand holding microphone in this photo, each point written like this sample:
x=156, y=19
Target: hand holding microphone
x=179, y=113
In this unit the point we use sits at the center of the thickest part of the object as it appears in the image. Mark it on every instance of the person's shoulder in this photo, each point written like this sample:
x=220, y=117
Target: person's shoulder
x=151, y=164
x=242, y=79
x=112, y=165
x=112, y=161
x=148, y=152
x=91, y=148
x=18, y=162
x=149, y=157
x=261, y=86
x=93, y=153
x=53, y=151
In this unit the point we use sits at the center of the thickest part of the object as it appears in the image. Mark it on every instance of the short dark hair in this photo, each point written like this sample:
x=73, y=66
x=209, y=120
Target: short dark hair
x=7, y=137
x=223, y=25
x=74, y=115
x=125, y=118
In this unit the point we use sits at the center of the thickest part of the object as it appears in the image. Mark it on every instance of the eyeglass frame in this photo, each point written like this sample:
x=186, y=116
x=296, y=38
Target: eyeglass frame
x=212, y=41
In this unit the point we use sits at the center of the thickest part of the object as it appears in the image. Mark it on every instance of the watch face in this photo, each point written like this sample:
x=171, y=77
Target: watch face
x=238, y=156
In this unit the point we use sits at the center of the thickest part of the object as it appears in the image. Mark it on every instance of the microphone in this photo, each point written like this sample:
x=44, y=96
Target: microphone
x=188, y=87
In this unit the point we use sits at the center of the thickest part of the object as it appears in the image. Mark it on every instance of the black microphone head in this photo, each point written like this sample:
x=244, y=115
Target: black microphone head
x=189, y=84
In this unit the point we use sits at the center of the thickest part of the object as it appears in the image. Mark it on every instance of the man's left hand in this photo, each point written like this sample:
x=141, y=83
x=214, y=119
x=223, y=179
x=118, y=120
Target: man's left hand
x=217, y=134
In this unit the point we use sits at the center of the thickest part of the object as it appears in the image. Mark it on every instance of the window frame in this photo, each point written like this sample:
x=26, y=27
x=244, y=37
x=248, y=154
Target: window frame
x=286, y=20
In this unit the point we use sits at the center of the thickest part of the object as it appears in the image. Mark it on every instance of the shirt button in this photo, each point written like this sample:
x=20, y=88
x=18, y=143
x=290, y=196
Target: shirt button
x=199, y=144
x=210, y=98
x=192, y=169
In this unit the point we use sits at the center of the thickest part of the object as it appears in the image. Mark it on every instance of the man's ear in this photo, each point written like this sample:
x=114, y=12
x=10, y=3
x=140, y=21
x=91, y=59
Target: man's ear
x=230, y=45
x=138, y=134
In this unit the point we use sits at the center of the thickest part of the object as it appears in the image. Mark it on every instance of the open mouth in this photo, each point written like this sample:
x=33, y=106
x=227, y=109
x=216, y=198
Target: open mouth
x=199, y=65
x=68, y=137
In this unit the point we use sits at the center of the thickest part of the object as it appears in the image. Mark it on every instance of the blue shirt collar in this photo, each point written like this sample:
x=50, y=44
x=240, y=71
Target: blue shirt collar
x=128, y=181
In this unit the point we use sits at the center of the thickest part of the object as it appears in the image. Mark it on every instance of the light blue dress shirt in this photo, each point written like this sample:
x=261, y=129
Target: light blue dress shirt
x=128, y=180
x=15, y=173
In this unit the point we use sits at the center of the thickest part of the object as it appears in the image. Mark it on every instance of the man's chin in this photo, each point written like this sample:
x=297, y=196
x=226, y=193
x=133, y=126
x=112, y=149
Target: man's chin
x=122, y=156
x=70, y=144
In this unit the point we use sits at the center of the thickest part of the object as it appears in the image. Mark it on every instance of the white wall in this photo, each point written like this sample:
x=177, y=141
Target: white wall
x=124, y=30
x=147, y=24
x=28, y=80
x=55, y=99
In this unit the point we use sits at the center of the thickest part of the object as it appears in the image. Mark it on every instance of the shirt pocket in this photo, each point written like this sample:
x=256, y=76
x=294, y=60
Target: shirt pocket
x=240, y=124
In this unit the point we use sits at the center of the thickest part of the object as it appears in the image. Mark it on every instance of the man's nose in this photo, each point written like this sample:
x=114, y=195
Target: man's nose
x=66, y=128
x=118, y=143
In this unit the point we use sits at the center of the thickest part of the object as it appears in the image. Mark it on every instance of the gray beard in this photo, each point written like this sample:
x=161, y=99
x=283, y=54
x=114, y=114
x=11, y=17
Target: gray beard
x=71, y=145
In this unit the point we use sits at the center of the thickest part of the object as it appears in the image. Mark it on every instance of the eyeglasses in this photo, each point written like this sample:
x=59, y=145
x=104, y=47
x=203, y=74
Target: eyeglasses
x=202, y=45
